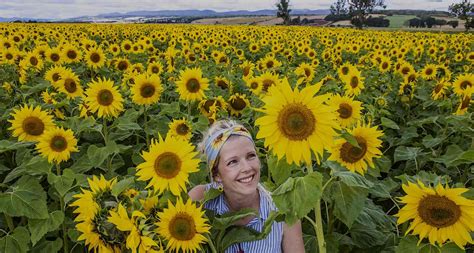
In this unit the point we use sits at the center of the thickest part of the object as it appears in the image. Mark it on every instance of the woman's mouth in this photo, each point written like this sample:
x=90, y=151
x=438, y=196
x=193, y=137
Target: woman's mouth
x=246, y=179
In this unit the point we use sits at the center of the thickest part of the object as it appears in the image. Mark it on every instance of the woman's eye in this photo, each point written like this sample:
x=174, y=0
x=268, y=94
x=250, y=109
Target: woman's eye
x=251, y=156
x=231, y=162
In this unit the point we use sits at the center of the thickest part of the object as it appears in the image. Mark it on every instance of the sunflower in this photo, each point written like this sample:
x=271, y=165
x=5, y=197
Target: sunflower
x=54, y=55
x=223, y=83
x=122, y=64
x=438, y=213
x=254, y=84
x=102, y=97
x=154, y=68
x=247, y=69
x=305, y=72
x=168, y=165
x=70, y=85
x=429, y=72
x=147, y=89
x=56, y=144
x=211, y=105
x=407, y=89
x=29, y=123
x=95, y=241
x=354, y=82
x=464, y=85
x=191, y=84
x=268, y=79
x=95, y=58
x=237, y=103
x=463, y=105
x=71, y=54
x=180, y=129
x=357, y=159
x=347, y=110
x=53, y=75
x=183, y=226
x=296, y=123
x=344, y=70
x=439, y=91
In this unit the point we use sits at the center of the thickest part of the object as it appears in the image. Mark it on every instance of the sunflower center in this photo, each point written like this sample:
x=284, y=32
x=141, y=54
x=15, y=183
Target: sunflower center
x=429, y=71
x=58, y=143
x=167, y=165
x=345, y=110
x=254, y=85
x=266, y=84
x=56, y=77
x=95, y=57
x=384, y=65
x=182, y=129
x=105, y=97
x=438, y=88
x=193, y=85
x=71, y=54
x=182, y=227
x=307, y=72
x=405, y=70
x=351, y=154
x=269, y=64
x=147, y=90
x=54, y=57
x=465, y=102
x=296, y=122
x=246, y=71
x=9, y=56
x=354, y=82
x=438, y=211
x=345, y=70
x=465, y=84
x=33, y=61
x=222, y=84
x=155, y=70
x=70, y=85
x=238, y=104
x=122, y=65
x=33, y=126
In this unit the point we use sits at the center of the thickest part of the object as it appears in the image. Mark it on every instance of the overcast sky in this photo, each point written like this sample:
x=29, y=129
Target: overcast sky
x=75, y=8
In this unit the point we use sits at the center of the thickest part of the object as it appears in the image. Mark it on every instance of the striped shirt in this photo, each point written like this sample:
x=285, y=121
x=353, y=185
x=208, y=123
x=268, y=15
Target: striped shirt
x=272, y=243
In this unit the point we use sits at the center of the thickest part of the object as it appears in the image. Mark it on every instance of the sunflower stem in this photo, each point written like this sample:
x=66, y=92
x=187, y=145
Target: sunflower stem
x=319, y=227
x=211, y=244
x=105, y=131
x=9, y=221
x=61, y=203
x=145, y=114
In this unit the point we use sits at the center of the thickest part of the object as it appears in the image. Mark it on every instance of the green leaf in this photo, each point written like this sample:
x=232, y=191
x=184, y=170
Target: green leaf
x=382, y=189
x=62, y=183
x=451, y=248
x=228, y=219
x=403, y=153
x=6, y=145
x=353, y=179
x=350, y=138
x=280, y=170
x=98, y=155
x=455, y=156
x=39, y=228
x=296, y=196
x=16, y=242
x=408, y=244
x=430, y=142
x=169, y=109
x=37, y=165
x=45, y=246
x=386, y=122
x=79, y=125
x=349, y=201
x=122, y=185
x=212, y=193
x=25, y=198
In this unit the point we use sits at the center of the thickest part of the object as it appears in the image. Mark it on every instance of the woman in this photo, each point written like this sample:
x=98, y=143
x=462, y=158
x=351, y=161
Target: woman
x=235, y=169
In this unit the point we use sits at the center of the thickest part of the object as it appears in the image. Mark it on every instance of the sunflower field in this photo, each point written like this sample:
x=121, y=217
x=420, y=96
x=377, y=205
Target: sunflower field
x=367, y=137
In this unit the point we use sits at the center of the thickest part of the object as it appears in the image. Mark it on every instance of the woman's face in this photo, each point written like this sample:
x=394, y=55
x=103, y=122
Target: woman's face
x=239, y=167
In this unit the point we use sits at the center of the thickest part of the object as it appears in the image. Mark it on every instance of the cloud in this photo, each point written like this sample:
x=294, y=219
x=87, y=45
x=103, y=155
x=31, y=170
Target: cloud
x=75, y=8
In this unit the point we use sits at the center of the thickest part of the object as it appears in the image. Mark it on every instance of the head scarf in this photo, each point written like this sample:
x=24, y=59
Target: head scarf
x=215, y=142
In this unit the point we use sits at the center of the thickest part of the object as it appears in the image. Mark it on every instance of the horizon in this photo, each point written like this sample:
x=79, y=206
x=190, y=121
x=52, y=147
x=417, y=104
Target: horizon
x=66, y=9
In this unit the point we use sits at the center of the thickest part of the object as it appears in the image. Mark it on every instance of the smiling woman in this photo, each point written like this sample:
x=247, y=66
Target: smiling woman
x=235, y=170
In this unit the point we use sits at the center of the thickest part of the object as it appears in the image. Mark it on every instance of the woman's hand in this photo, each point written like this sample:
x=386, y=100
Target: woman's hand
x=292, y=238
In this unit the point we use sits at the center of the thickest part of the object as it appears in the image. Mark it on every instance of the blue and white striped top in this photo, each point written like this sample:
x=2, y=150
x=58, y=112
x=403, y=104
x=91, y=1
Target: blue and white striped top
x=272, y=243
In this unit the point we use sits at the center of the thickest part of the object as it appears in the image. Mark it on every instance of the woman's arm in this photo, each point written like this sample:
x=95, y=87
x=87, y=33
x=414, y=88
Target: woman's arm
x=197, y=193
x=293, y=238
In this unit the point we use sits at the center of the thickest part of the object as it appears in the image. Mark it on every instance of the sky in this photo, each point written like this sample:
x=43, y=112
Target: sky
x=59, y=9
